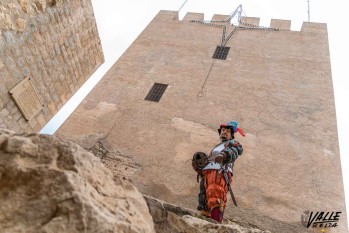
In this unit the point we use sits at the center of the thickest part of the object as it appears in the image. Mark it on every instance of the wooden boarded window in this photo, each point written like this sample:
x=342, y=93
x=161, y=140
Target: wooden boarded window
x=221, y=53
x=156, y=92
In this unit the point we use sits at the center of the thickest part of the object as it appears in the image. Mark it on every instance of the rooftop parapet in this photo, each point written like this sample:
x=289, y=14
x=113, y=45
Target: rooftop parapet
x=309, y=27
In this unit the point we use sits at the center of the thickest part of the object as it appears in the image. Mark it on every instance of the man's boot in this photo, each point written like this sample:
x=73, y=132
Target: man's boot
x=217, y=215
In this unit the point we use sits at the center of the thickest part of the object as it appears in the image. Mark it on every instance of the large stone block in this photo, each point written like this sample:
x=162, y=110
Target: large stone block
x=52, y=185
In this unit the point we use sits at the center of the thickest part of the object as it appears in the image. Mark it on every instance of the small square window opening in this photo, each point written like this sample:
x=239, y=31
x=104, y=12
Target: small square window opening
x=221, y=53
x=156, y=92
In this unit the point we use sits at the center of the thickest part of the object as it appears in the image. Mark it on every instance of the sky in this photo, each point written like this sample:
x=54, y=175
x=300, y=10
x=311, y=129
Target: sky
x=120, y=22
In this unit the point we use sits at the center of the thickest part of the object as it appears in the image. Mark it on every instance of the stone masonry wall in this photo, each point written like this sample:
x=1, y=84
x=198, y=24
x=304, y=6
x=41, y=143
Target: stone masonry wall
x=56, y=44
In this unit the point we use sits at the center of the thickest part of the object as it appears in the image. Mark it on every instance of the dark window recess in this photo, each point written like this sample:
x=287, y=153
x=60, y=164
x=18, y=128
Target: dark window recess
x=156, y=92
x=221, y=53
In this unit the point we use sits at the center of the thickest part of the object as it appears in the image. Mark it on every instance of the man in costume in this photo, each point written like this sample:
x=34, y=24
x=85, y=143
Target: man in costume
x=216, y=172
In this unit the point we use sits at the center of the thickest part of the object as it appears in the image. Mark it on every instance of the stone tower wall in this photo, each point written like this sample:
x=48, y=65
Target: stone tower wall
x=276, y=83
x=55, y=44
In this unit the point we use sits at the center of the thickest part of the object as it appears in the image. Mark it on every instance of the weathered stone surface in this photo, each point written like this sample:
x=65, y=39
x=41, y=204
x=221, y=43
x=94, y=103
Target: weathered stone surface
x=24, y=5
x=174, y=219
x=50, y=185
x=5, y=21
x=119, y=164
x=40, y=5
x=21, y=24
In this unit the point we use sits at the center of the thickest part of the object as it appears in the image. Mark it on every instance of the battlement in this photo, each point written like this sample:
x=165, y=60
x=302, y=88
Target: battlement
x=193, y=16
x=250, y=20
x=217, y=17
x=165, y=15
x=281, y=24
x=314, y=27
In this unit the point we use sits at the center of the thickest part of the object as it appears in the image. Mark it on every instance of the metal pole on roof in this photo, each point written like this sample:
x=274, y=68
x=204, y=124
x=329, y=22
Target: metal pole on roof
x=238, y=11
x=182, y=5
x=308, y=10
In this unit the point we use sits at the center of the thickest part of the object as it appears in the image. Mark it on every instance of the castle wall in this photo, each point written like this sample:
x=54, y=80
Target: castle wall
x=276, y=83
x=55, y=44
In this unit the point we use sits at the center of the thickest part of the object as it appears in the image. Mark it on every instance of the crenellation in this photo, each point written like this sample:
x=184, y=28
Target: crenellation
x=280, y=24
x=218, y=17
x=193, y=16
x=314, y=27
x=250, y=20
x=165, y=15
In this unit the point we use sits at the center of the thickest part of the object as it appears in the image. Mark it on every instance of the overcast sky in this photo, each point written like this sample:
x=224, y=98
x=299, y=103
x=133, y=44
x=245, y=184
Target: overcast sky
x=120, y=22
